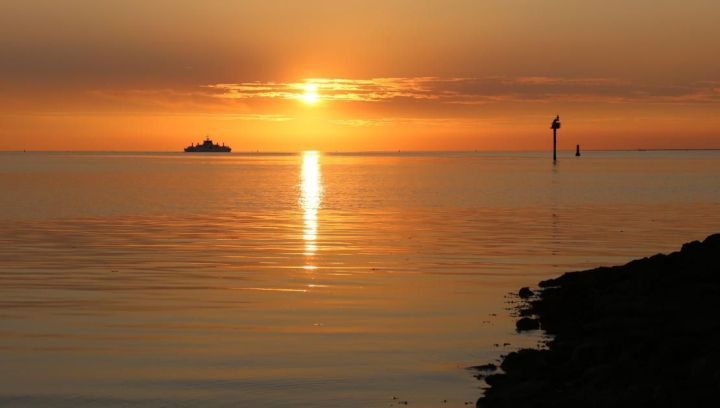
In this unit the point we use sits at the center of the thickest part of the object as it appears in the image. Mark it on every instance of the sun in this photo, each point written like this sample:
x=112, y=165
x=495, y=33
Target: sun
x=311, y=96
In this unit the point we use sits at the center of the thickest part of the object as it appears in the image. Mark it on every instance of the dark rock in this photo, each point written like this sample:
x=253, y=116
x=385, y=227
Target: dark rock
x=525, y=293
x=525, y=359
x=527, y=323
x=495, y=379
x=642, y=334
x=691, y=246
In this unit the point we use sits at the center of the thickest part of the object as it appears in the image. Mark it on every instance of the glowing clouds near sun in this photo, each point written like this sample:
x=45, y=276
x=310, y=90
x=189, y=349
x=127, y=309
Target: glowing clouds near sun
x=311, y=96
x=470, y=91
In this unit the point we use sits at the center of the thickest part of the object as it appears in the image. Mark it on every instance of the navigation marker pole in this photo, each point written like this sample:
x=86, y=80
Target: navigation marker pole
x=555, y=126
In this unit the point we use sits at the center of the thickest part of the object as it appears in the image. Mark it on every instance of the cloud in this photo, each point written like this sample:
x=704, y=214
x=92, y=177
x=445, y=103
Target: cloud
x=402, y=121
x=360, y=102
x=336, y=89
x=474, y=91
x=363, y=122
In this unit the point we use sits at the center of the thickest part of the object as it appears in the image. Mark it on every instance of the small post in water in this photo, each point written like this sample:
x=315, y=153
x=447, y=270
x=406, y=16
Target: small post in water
x=555, y=126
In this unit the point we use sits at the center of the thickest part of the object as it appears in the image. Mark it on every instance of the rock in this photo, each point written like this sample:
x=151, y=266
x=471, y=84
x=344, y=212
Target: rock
x=691, y=246
x=527, y=323
x=642, y=334
x=524, y=360
x=525, y=293
x=587, y=354
x=495, y=379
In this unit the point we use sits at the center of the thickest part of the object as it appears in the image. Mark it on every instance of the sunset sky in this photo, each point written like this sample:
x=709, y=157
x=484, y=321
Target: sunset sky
x=359, y=75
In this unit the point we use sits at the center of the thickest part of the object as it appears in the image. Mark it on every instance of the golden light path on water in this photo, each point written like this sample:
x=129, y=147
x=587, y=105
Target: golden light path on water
x=311, y=191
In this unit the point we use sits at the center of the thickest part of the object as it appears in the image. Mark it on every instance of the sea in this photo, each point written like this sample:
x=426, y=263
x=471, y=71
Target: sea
x=310, y=279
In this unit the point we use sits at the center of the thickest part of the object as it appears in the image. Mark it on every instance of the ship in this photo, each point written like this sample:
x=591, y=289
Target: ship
x=208, y=147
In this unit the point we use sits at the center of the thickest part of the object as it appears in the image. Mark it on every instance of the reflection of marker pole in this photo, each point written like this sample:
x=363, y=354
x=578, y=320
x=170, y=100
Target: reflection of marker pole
x=555, y=126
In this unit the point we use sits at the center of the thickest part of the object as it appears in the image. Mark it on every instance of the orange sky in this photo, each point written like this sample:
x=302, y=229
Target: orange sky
x=410, y=75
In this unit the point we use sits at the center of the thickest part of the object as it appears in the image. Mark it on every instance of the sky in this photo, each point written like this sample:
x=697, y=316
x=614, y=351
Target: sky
x=359, y=75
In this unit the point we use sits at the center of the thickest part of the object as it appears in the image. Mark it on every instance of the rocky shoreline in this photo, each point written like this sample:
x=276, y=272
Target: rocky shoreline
x=645, y=334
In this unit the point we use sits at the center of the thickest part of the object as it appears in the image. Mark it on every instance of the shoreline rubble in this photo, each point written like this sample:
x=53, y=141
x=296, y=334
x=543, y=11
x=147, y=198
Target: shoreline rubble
x=644, y=334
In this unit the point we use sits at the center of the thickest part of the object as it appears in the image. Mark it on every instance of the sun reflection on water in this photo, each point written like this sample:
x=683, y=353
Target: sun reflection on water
x=311, y=190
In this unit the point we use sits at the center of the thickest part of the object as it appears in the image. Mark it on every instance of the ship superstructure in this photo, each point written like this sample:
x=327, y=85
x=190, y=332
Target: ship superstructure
x=208, y=146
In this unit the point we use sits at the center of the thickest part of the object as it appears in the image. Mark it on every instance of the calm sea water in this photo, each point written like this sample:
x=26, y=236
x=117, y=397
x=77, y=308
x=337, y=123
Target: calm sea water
x=311, y=279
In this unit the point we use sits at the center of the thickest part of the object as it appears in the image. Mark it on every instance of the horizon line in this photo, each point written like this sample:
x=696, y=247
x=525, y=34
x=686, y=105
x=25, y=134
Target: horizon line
x=638, y=149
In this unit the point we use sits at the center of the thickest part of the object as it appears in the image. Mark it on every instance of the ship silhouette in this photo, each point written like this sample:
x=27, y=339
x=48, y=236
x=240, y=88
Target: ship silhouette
x=208, y=146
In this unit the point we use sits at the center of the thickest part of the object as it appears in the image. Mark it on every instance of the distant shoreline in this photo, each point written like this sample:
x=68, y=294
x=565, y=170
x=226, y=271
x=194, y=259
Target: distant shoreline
x=642, y=334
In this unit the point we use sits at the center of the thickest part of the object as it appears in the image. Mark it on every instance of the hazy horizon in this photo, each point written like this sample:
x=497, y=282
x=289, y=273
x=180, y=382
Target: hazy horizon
x=295, y=152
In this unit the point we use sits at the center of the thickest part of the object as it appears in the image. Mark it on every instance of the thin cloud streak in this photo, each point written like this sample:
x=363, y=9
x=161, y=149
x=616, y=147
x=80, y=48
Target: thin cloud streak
x=361, y=100
x=337, y=89
x=475, y=91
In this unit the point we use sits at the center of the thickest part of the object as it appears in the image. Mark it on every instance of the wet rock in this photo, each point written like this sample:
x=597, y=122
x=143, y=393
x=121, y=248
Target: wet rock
x=523, y=360
x=495, y=379
x=691, y=247
x=642, y=334
x=525, y=293
x=588, y=354
x=527, y=323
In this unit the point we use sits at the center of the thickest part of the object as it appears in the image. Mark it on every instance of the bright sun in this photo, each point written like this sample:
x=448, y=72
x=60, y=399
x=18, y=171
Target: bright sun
x=311, y=96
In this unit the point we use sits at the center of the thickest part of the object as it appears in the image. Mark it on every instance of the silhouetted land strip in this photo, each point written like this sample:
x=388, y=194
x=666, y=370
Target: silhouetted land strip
x=645, y=334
